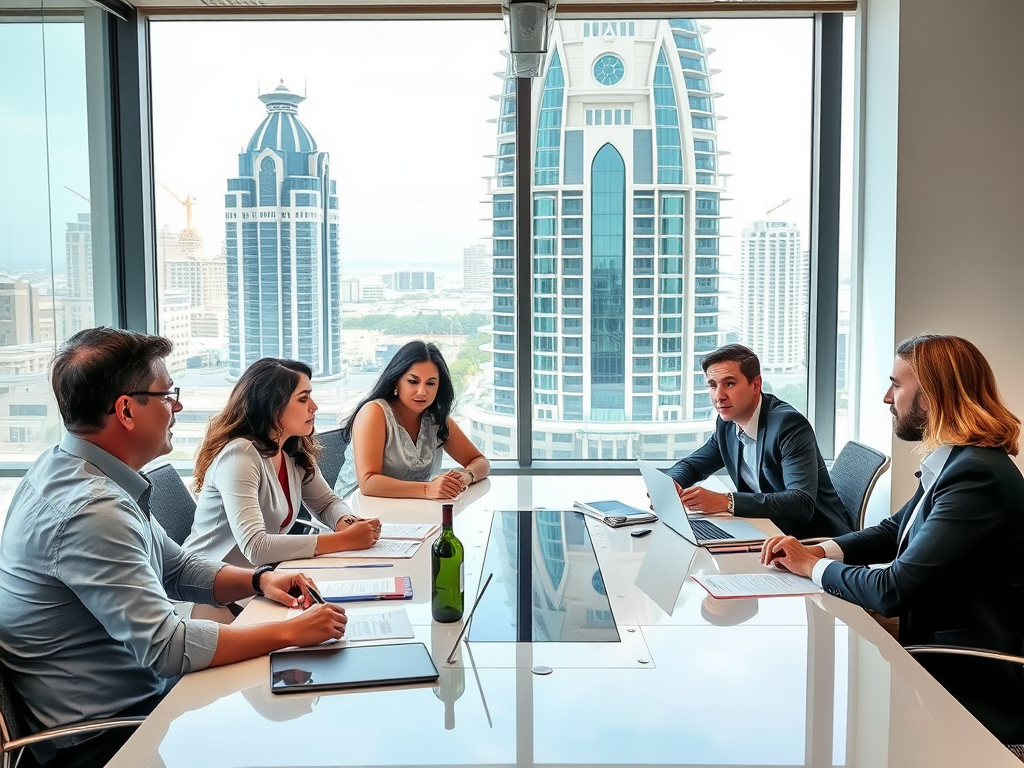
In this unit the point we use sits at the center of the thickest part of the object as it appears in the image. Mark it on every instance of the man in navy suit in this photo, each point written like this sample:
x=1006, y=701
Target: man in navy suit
x=769, y=450
x=955, y=573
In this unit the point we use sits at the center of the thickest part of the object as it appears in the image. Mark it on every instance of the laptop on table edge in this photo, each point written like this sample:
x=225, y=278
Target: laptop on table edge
x=669, y=509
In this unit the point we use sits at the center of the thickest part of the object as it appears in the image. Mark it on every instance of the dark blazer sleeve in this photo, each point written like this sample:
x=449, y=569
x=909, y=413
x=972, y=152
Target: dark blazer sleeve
x=702, y=463
x=878, y=543
x=794, y=442
x=963, y=513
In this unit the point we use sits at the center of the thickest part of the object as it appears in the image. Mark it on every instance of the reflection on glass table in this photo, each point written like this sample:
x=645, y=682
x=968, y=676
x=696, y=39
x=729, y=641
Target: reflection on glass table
x=547, y=584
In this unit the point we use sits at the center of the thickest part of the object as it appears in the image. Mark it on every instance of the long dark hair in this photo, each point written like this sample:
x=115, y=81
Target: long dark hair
x=404, y=359
x=253, y=411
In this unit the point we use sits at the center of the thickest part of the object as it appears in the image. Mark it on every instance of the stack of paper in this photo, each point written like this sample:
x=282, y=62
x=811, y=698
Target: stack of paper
x=757, y=585
x=411, y=531
x=384, y=548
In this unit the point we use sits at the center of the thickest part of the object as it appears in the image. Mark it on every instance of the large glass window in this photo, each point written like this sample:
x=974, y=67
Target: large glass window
x=56, y=219
x=314, y=203
x=696, y=230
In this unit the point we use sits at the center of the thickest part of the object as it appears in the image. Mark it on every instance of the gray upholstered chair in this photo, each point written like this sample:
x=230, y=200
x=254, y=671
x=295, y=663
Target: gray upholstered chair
x=333, y=456
x=854, y=474
x=14, y=736
x=171, y=503
x=331, y=460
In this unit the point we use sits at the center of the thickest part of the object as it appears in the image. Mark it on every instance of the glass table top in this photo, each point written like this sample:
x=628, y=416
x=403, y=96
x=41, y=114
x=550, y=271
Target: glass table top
x=547, y=584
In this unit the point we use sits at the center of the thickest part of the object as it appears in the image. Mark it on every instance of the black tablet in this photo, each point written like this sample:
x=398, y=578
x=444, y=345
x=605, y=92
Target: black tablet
x=364, y=666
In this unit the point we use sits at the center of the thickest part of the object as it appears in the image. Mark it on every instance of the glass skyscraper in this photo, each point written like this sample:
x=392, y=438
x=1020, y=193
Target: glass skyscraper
x=283, y=268
x=626, y=208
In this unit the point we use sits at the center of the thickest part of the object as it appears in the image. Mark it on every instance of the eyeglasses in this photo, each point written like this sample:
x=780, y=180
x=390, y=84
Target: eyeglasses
x=171, y=397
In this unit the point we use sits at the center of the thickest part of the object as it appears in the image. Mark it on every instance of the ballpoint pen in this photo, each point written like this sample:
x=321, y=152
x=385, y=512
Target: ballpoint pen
x=315, y=595
x=734, y=550
x=332, y=567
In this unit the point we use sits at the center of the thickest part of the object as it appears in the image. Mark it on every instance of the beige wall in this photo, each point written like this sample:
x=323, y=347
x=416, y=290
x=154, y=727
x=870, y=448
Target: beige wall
x=958, y=145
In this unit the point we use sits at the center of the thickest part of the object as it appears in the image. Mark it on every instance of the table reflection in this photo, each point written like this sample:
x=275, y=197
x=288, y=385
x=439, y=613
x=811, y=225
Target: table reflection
x=547, y=584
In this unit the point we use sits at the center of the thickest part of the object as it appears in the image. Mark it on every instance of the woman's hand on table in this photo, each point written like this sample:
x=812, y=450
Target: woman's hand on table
x=447, y=485
x=360, y=534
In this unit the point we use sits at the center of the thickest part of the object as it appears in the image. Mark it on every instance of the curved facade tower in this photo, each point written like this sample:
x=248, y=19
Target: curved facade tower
x=626, y=208
x=283, y=269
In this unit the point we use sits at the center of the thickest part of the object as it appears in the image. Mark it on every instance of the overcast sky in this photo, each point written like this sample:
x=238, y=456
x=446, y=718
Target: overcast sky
x=402, y=107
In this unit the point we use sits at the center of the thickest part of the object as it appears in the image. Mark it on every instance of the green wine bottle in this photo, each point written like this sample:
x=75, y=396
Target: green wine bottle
x=447, y=558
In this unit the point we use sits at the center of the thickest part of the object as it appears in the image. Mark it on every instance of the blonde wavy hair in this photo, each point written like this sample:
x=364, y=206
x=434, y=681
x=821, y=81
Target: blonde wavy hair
x=964, y=404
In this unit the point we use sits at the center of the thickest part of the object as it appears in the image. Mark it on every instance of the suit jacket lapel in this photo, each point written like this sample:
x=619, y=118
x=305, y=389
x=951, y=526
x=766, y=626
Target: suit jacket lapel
x=762, y=429
x=925, y=503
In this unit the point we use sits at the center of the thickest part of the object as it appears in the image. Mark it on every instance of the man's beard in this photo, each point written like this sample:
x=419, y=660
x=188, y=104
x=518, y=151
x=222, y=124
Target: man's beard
x=910, y=425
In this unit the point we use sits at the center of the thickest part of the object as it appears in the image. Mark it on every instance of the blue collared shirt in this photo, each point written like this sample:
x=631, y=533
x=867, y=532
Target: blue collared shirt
x=87, y=628
x=748, y=439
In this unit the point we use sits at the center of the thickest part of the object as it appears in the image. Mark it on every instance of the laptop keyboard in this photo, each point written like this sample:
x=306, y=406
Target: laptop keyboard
x=705, y=531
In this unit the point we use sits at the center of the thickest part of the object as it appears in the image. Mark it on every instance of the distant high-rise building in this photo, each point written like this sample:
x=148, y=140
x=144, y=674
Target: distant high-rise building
x=476, y=269
x=187, y=269
x=412, y=280
x=774, y=294
x=79, y=306
x=19, y=313
x=283, y=268
x=626, y=207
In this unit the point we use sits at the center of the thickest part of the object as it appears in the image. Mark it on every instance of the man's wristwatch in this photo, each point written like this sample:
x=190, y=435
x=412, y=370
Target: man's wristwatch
x=732, y=504
x=257, y=574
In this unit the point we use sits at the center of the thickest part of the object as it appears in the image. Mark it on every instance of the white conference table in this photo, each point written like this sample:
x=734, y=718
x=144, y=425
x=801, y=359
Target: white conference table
x=792, y=681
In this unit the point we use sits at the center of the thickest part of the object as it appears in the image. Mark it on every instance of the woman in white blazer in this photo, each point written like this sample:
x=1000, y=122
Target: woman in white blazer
x=257, y=465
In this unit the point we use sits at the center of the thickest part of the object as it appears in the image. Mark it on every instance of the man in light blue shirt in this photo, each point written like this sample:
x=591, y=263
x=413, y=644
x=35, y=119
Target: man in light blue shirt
x=87, y=629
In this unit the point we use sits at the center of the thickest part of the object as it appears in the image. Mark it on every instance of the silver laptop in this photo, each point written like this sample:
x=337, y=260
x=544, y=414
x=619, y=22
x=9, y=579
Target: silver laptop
x=699, y=530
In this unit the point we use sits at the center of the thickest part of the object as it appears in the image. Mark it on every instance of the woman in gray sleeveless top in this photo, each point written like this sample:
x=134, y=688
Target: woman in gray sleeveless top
x=397, y=433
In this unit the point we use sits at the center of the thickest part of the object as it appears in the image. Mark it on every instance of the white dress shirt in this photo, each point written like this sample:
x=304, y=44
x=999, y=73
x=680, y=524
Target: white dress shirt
x=748, y=439
x=931, y=466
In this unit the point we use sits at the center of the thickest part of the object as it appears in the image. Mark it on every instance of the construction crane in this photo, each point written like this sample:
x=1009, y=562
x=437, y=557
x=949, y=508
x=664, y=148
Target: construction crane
x=78, y=194
x=188, y=202
x=776, y=207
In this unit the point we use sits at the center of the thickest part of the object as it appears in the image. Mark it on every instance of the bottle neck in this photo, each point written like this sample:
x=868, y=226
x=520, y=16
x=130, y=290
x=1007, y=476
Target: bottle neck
x=446, y=516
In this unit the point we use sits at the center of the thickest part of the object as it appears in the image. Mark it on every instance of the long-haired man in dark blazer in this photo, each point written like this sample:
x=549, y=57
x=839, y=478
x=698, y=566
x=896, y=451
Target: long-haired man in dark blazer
x=955, y=573
x=770, y=451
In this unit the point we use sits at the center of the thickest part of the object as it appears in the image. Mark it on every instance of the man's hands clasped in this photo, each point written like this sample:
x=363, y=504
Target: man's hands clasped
x=788, y=554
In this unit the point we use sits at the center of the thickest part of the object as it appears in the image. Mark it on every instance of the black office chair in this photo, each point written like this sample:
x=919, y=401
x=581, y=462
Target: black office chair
x=333, y=457
x=14, y=736
x=854, y=474
x=330, y=462
x=980, y=653
x=171, y=503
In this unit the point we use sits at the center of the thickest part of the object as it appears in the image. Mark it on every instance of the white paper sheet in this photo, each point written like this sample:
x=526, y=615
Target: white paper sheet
x=329, y=589
x=413, y=531
x=757, y=585
x=385, y=548
x=372, y=624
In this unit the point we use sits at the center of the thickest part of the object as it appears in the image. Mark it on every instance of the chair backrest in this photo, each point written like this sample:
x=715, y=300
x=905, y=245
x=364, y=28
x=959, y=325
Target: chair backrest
x=171, y=503
x=854, y=474
x=11, y=726
x=333, y=456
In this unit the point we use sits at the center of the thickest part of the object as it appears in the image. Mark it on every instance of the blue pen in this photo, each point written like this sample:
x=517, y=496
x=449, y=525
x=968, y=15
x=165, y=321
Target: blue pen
x=334, y=567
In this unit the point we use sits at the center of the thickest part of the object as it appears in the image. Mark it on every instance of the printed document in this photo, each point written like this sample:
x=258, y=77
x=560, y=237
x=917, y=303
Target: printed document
x=385, y=548
x=372, y=625
x=757, y=585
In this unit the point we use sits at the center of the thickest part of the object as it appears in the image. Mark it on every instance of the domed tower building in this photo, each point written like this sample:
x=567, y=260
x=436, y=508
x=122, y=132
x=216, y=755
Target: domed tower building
x=283, y=268
x=627, y=197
